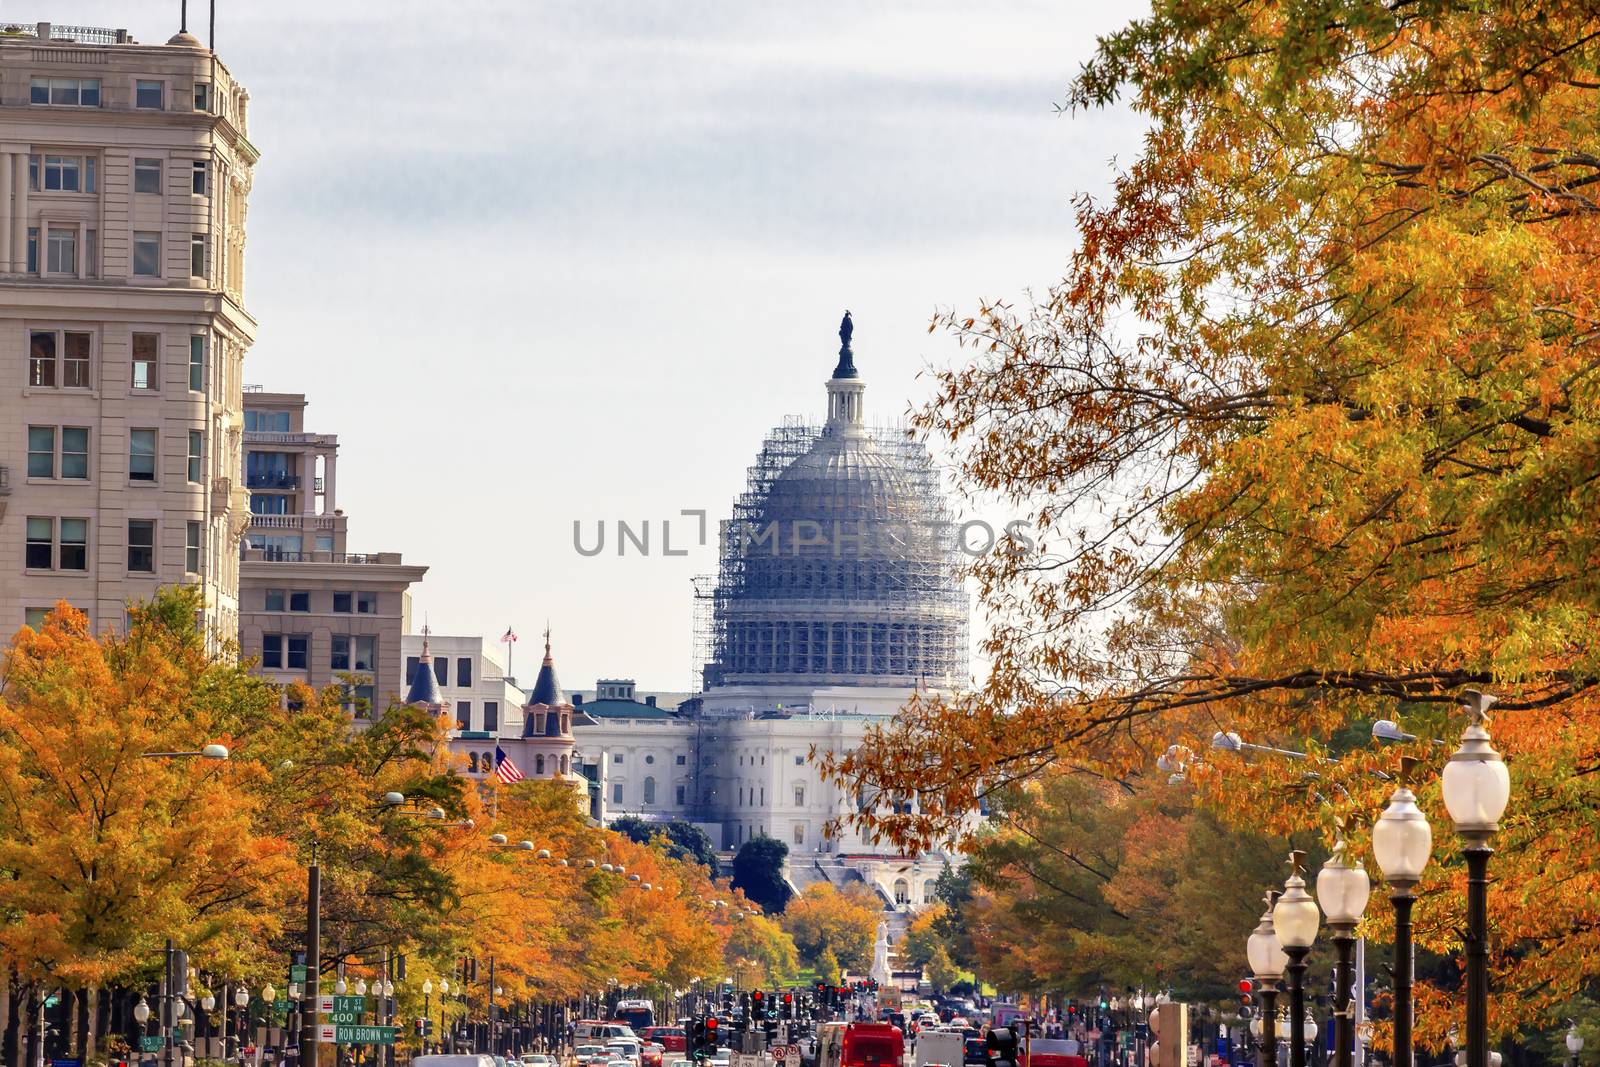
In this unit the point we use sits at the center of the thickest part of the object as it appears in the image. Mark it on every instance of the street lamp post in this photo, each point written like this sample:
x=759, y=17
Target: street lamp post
x=1295, y=918
x=1476, y=789
x=1402, y=843
x=427, y=1008
x=241, y=1000
x=1267, y=963
x=1574, y=1043
x=1342, y=890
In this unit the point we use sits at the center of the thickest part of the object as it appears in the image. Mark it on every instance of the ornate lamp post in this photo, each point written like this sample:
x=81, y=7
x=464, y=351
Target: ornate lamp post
x=1402, y=843
x=1295, y=919
x=1342, y=890
x=1267, y=963
x=1476, y=789
x=1574, y=1043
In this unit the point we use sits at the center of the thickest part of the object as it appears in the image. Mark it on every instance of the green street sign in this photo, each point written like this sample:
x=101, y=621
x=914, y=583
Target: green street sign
x=298, y=973
x=364, y=1035
x=355, y=1004
x=151, y=1042
x=280, y=1005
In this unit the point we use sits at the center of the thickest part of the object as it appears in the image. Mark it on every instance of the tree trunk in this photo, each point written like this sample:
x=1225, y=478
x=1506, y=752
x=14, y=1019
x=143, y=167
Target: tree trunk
x=72, y=1016
x=91, y=1013
x=5, y=1013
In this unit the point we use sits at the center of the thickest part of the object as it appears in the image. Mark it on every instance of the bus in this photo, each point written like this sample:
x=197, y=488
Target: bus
x=639, y=1014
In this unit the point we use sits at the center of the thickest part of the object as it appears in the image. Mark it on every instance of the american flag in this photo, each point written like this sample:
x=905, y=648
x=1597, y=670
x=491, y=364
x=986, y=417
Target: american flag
x=510, y=636
x=504, y=769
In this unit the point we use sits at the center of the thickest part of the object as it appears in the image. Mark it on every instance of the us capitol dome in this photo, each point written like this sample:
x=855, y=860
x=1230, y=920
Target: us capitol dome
x=839, y=566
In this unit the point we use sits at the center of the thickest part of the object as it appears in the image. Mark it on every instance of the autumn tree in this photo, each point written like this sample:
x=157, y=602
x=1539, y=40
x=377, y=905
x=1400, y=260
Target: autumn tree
x=843, y=923
x=1307, y=433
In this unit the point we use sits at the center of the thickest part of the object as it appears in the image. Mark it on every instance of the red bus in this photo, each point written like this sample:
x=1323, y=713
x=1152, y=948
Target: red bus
x=872, y=1045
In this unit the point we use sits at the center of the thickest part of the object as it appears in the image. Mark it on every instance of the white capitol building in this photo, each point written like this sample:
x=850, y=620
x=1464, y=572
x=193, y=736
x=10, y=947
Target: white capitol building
x=838, y=595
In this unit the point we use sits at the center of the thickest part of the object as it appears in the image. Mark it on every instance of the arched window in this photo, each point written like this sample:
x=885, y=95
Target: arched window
x=538, y=764
x=472, y=763
x=649, y=790
x=563, y=765
x=799, y=796
x=927, y=891
x=902, y=891
x=566, y=723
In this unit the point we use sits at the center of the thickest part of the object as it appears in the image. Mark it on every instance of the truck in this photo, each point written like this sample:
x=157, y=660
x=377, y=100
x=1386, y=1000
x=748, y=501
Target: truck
x=943, y=1047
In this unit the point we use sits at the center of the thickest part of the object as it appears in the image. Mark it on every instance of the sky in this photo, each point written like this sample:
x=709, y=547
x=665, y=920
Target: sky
x=551, y=262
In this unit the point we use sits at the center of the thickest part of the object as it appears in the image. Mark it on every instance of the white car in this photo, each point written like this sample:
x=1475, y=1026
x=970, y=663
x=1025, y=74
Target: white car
x=534, y=1059
x=625, y=1049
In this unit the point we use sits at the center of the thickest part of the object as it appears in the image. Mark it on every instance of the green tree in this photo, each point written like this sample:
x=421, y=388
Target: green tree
x=828, y=967
x=758, y=873
x=941, y=971
x=683, y=840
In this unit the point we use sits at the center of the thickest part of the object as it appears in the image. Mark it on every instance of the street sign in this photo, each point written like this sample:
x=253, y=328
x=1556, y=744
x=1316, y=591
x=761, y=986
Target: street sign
x=297, y=973
x=326, y=1034
x=792, y=1056
x=151, y=1042
x=66, y=1063
x=778, y=1053
x=280, y=1006
x=364, y=1035
x=324, y=1005
x=356, y=1004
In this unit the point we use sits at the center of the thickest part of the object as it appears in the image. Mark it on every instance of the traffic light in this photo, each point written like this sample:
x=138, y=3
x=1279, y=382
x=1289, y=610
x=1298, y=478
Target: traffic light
x=758, y=1005
x=788, y=1005
x=1246, y=1001
x=705, y=1038
x=1000, y=1047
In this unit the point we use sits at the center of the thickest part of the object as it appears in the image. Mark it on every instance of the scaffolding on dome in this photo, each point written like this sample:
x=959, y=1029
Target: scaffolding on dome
x=893, y=613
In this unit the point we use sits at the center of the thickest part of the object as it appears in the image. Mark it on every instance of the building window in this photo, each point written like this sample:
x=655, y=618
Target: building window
x=146, y=353
x=365, y=655
x=70, y=92
x=491, y=715
x=75, y=452
x=40, y=551
x=62, y=174
x=141, y=455
x=463, y=715
x=191, y=548
x=61, y=251
x=342, y=603
x=199, y=243
x=649, y=759
x=464, y=672
x=147, y=254
x=366, y=603
x=197, y=363
x=200, y=183
x=339, y=660
x=563, y=765
x=538, y=764
x=147, y=176
x=272, y=650
x=41, y=451
x=202, y=96
x=33, y=250
x=678, y=794
x=151, y=95
x=616, y=792
x=34, y=617
x=682, y=759
x=616, y=757
x=441, y=669
x=297, y=652
x=74, y=350
x=799, y=833
x=274, y=600
x=142, y=546
x=649, y=790
x=71, y=553
x=799, y=796
x=196, y=460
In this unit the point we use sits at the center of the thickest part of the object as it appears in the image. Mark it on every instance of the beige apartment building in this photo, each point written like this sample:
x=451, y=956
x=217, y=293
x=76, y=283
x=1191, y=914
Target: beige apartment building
x=310, y=610
x=124, y=174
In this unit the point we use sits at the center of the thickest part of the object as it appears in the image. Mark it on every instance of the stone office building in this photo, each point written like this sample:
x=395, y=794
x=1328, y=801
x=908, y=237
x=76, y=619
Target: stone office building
x=124, y=174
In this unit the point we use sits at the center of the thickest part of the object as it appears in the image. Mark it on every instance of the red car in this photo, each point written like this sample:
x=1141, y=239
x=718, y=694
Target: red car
x=671, y=1038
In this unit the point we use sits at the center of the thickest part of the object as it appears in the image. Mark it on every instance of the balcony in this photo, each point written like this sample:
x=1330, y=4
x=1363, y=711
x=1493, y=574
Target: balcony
x=272, y=480
x=274, y=437
x=296, y=522
x=274, y=555
x=76, y=34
